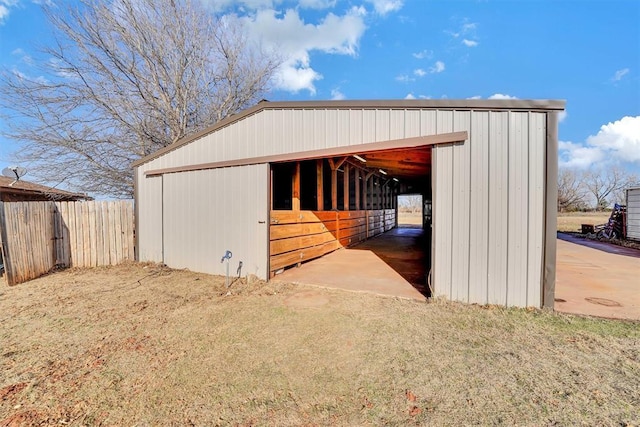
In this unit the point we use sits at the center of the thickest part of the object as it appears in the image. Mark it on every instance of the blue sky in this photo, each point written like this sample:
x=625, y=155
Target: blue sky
x=587, y=53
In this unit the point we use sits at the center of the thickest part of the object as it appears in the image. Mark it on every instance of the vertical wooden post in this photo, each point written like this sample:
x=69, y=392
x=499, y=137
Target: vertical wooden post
x=295, y=202
x=387, y=192
x=357, y=181
x=372, y=191
x=334, y=181
x=365, y=177
x=345, y=196
x=386, y=188
x=334, y=185
x=319, y=185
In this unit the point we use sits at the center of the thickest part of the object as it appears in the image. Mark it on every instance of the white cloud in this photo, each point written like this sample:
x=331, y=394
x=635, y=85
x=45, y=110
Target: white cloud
x=24, y=56
x=294, y=39
x=220, y=5
x=621, y=138
x=502, y=96
x=562, y=116
x=617, y=141
x=5, y=6
x=468, y=33
x=572, y=155
x=317, y=4
x=337, y=95
x=412, y=96
x=404, y=78
x=423, y=54
x=468, y=27
x=438, y=67
x=475, y=97
x=383, y=7
x=620, y=74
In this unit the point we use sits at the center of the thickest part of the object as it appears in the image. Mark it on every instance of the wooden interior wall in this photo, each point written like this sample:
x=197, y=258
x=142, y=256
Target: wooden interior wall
x=298, y=236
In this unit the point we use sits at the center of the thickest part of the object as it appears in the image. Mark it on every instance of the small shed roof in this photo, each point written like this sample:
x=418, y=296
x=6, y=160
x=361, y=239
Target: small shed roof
x=30, y=191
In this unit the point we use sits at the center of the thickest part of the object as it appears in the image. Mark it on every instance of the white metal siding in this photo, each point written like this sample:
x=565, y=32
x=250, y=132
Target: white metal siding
x=479, y=207
x=498, y=198
x=149, y=218
x=443, y=169
x=633, y=213
x=273, y=132
x=489, y=208
x=208, y=212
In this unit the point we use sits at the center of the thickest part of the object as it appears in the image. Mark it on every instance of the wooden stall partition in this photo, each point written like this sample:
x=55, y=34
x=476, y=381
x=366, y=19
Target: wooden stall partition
x=297, y=236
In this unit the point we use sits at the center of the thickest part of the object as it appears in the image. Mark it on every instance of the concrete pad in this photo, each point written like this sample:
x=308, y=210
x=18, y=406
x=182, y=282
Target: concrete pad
x=597, y=281
x=352, y=270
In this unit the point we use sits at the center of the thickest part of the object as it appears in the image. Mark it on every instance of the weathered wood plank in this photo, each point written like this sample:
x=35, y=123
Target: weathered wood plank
x=351, y=214
x=112, y=235
x=299, y=242
x=117, y=220
x=293, y=230
x=293, y=217
x=326, y=215
x=291, y=258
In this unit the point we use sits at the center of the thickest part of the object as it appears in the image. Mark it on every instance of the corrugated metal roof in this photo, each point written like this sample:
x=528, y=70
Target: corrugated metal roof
x=453, y=104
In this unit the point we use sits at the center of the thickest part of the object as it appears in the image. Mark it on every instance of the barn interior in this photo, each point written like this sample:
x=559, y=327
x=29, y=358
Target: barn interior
x=351, y=201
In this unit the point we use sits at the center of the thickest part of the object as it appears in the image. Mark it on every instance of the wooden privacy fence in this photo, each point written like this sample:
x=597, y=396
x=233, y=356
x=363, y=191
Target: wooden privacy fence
x=298, y=236
x=39, y=236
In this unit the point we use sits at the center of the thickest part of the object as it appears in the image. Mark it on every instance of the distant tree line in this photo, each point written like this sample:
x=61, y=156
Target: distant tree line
x=410, y=204
x=595, y=189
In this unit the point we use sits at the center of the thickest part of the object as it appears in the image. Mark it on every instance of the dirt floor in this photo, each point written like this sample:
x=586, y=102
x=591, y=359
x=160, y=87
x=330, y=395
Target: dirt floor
x=145, y=345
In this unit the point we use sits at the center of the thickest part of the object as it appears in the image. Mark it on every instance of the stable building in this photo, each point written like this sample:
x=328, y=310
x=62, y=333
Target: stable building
x=282, y=183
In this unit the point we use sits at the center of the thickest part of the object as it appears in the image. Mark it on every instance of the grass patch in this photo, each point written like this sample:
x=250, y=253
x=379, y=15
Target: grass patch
x=572, y=221
x=133, y=345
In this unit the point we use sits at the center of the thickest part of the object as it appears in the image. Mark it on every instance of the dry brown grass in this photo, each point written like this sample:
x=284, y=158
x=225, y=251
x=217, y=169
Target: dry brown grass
x=151, y=346
x=572, y=221
x=409, y=218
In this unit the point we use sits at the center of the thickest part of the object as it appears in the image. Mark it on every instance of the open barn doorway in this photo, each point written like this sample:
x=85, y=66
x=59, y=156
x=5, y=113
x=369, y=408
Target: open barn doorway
x=336, y=221
x=410, y=211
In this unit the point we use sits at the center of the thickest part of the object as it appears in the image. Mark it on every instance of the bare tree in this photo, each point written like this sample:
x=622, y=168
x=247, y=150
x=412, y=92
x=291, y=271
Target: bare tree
x=571, y=191
x=411, y=203
x=605, y=184
x=123, y=79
